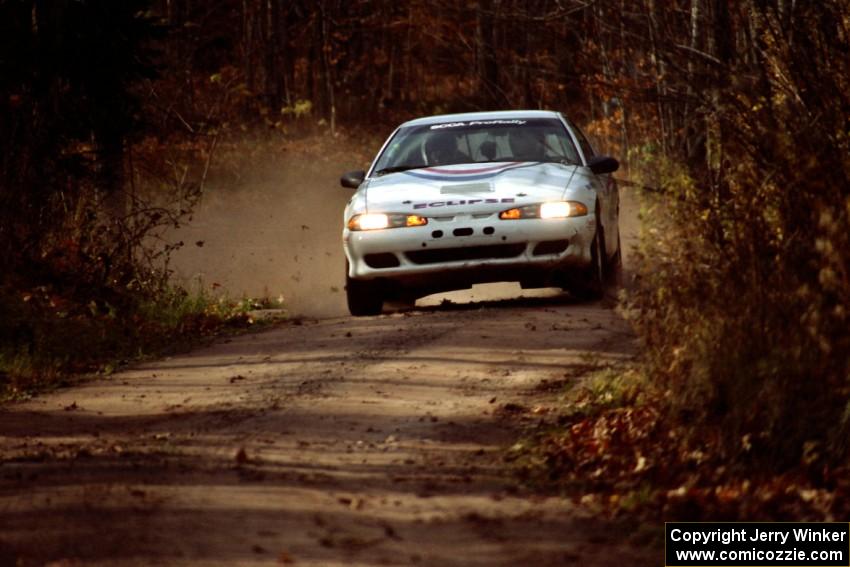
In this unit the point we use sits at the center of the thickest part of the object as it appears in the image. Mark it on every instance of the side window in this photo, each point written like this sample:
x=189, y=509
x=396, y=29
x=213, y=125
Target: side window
x=586, y=149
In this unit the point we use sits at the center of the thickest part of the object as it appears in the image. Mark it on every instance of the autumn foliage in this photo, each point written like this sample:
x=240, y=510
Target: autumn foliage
x=741, y=281
x=742, y=303
x=731, y=116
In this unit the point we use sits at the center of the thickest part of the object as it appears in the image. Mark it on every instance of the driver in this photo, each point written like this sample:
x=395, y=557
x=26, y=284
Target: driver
x=441, y=148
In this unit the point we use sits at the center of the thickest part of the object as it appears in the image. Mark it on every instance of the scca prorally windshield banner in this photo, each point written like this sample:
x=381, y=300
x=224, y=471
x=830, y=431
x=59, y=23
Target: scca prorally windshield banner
x=479, y=123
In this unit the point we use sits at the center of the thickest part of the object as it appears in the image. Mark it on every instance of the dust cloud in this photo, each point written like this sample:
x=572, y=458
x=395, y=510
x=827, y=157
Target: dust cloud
x=276, y=232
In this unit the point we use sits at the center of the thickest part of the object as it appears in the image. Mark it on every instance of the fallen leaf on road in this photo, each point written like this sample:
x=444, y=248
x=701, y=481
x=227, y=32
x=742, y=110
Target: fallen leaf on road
x=390, y=532
x=511, y=407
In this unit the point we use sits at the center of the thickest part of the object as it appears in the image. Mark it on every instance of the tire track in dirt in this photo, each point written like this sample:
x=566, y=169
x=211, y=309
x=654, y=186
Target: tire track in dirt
x=374, y=441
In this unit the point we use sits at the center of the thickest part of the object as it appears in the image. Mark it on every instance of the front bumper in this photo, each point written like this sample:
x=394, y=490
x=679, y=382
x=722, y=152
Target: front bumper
x=454, y=252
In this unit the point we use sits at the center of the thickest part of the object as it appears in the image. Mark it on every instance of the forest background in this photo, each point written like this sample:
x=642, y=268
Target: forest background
x=733, y=115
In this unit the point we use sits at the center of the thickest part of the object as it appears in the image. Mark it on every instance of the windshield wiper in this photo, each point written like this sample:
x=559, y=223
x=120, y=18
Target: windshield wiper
x=398, y=168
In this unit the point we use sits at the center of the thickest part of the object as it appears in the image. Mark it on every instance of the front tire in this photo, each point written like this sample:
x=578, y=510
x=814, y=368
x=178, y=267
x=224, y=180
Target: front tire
x=590, y=286
x=364, y=297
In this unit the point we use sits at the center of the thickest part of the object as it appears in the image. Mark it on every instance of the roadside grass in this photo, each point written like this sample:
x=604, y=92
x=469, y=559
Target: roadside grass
x=618, y=448
x=48, y=340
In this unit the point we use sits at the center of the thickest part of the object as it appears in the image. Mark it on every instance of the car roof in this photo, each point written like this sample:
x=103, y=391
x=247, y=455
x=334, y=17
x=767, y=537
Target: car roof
x=497, y=115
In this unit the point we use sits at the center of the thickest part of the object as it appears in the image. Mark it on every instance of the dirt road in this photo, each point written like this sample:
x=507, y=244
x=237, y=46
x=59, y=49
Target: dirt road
x=325, y=441
x=343, y=441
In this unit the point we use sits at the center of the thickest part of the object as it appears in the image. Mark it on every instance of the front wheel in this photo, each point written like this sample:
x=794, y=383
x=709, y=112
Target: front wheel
x=590, y=285
x=364, y=297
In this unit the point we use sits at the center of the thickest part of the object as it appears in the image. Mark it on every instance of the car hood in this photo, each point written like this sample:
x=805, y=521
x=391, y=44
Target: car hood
x=469, y=187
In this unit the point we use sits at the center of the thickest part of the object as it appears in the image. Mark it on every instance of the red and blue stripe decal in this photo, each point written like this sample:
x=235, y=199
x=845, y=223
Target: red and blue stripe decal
x=466, y=174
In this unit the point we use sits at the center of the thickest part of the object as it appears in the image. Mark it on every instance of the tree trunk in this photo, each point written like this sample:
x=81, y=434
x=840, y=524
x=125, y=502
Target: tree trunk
x=694, y=44
x=328, y=108
x=248, y=43
x=658, y=68
x=487, y=72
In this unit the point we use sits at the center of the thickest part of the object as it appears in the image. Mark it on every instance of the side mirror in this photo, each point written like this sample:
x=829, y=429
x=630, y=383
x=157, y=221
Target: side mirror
x=352, y=179
x=603, y=164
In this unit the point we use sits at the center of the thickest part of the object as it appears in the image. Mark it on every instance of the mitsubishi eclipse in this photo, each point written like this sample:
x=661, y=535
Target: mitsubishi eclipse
x=451, y=201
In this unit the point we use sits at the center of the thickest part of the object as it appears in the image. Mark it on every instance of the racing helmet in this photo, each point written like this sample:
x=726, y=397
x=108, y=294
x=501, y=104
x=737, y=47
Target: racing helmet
x=441, y=148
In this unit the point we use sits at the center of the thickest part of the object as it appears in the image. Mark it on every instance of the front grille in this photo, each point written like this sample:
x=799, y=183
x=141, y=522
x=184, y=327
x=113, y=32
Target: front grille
x=385, y=260
x=435, y=256
x=551, y=247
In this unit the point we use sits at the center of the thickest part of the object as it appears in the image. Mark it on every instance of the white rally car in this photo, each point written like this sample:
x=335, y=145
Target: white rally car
x=455, y=200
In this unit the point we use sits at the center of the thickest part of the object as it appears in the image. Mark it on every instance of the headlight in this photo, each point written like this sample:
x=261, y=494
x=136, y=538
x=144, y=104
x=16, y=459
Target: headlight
x=562, y=209
x=369, y=221
x=377, y=221
x=553, y=210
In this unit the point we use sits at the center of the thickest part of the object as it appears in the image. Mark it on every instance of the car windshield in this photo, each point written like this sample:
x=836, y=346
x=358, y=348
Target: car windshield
x=478, y=141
